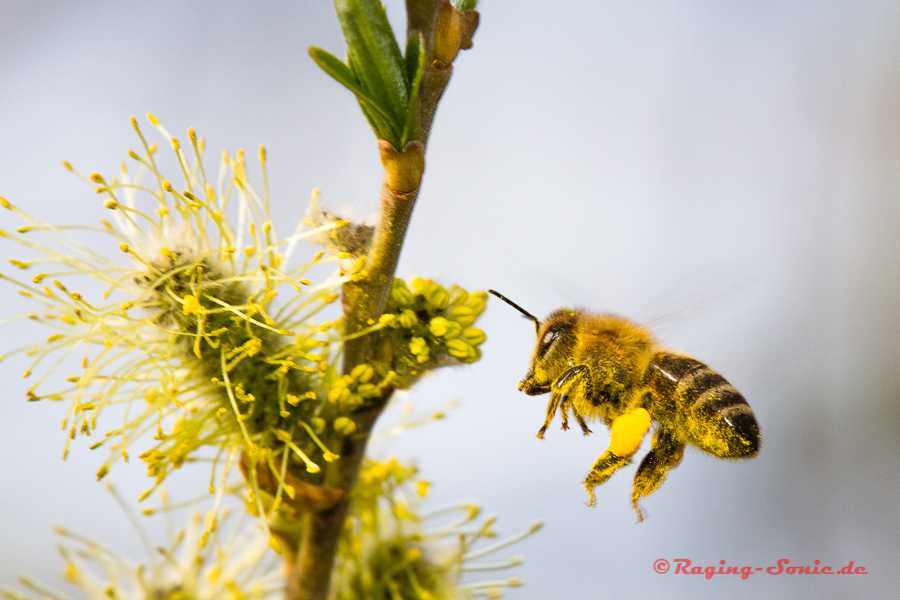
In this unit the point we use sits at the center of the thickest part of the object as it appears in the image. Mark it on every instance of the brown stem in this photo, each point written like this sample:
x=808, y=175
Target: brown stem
x=364, y=300
x=309, y=577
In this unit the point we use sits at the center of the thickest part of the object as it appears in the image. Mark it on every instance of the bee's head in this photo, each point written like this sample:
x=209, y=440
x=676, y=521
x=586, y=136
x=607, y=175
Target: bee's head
x=555, y=345
x=556, y=340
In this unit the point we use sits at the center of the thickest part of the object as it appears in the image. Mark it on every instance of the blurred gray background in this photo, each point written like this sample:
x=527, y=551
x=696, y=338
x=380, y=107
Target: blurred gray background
x=726, y=171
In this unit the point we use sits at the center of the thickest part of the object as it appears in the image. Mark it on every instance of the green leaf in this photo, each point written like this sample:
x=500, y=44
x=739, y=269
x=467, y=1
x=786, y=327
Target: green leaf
x=462, y=5
x=379, y=118
x=415, y=67
x=345, y=76
x=374, y=57
x=415, y=57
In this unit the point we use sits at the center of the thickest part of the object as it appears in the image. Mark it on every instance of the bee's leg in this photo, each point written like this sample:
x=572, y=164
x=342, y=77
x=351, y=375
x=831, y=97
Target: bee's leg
x=568, y=383
x=560, y=395
x=584, y=427
x=626, y=434
x=665, y=454
x=606, y=465
x=551, y=410
x=564, y=405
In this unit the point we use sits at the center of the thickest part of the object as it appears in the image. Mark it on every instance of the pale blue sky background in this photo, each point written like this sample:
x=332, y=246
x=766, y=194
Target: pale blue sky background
x=729, y=170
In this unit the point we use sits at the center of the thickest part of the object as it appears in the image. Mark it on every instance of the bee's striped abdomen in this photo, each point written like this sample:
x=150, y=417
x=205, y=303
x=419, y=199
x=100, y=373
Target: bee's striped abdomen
x=708, y=411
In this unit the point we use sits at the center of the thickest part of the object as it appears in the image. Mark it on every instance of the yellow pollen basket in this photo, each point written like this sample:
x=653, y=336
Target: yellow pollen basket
x=627, y=432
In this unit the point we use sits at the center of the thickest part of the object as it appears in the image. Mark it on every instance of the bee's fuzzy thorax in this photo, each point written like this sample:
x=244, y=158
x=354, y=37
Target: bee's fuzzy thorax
x=614, y=333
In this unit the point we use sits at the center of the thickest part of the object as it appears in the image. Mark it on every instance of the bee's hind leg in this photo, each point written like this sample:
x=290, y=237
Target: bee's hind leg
x=606, y=465
x=665, y=454
x=626, y=434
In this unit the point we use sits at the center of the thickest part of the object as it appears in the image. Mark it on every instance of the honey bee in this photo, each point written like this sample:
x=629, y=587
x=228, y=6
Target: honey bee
x=605, y=367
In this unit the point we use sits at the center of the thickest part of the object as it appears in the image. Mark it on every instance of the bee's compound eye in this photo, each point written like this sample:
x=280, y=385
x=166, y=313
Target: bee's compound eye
x=549, y=337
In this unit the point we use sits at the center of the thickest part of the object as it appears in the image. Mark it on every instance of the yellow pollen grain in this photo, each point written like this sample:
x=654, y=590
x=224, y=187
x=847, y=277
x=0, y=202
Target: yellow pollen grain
x=191, y=305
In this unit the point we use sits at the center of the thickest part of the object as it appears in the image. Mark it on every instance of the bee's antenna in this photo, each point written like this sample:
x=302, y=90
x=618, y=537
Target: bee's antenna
x=537, y=323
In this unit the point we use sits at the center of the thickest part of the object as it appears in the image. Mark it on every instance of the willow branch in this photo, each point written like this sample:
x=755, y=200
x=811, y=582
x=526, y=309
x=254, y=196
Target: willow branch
x=364, y=299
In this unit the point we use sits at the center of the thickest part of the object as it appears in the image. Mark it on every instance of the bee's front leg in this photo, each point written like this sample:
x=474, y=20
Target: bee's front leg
x=626, y=434
x=565, y=404
x=559, y=394
x=551, y=411
x=563, y=392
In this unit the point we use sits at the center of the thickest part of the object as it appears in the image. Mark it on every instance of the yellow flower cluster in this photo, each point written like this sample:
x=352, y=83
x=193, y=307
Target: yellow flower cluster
x=204, y=337
x=392, y=549
x=186, y=334
x=389, y=549
x=431, y=326
x=234, y=563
